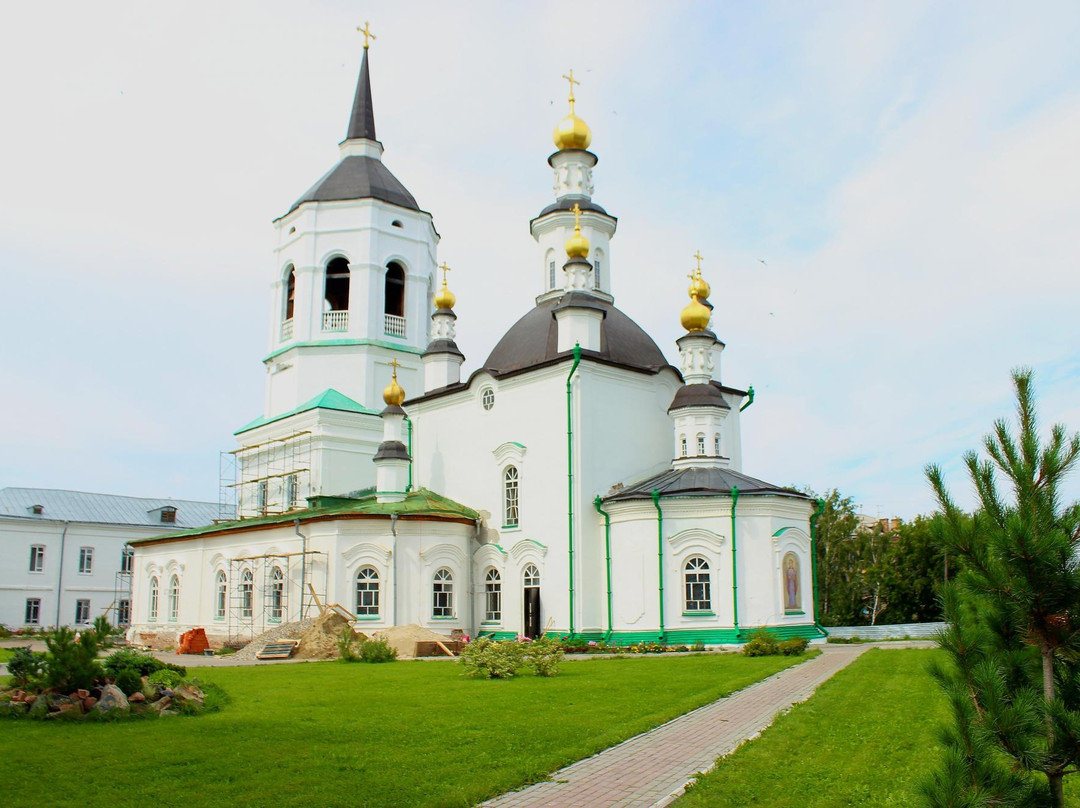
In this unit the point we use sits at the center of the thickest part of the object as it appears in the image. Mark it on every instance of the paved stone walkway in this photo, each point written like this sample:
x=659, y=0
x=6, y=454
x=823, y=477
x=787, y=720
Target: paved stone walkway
x=652, y=769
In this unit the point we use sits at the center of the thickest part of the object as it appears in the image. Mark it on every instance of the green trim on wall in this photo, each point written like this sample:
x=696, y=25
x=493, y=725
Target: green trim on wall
x=333, y=343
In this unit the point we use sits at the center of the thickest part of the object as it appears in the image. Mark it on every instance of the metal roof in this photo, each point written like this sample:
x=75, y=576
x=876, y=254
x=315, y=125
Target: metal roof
x=106, y=509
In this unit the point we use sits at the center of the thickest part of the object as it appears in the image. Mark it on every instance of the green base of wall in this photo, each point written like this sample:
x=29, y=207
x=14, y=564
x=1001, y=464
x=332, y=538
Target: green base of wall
x=679, y=636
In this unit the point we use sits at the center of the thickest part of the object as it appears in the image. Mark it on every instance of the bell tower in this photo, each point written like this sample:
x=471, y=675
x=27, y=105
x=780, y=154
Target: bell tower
x=354, y=269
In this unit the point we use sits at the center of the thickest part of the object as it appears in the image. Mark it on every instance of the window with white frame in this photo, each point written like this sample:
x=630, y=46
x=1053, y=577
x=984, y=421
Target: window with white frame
x=442, y=594
x=86, y=560
x=33, y=612
x=698, y=585
x=682, y=447
x=82, y=611
x=367, y=592
x=37, y=558
x=551, y=275
x=247, y=593
x=292, y=489
x=701, y=444
x=531, y=577
x=277, y=593
x=511, y=514
x=487, y=398
x=174, y=599
x=123, y=612
x=221, y=594
x=716, y=445
x=492, y=596
x=127, y=558
x=596, y=273
x=155, y=596
x=261, y=495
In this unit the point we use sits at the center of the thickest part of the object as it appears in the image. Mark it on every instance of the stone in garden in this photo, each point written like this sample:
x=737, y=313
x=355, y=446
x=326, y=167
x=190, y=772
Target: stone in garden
x=57, y=701
x=161, y=704
x=89, y=702
x=187, y=693
x=112, y=698
x=137, y=697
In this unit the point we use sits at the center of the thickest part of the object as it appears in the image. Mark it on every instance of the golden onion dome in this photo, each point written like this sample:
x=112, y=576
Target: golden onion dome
x=572, y=133
x=577, y=246
x=393, y=394
x=696, y=316
x=699, y=287
x=444, y=298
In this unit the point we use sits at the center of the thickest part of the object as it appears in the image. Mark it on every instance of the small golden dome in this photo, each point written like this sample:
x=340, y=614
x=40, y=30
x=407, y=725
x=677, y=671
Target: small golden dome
x=444, y=298
x=699, y=287
x=393, y=394
x=577, y=246
x=696, y=316
x=572, y=133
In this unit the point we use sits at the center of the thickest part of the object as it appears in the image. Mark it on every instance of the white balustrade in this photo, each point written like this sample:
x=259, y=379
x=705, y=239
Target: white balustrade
x=395, y=326
x=286, y=330
x=335, y=320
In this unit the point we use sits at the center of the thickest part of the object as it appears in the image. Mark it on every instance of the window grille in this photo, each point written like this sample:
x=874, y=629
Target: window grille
x=531, y=577
x=367, y=592
x=442, y=594
x=492, y=596
x=510, y=497
x=698, y=585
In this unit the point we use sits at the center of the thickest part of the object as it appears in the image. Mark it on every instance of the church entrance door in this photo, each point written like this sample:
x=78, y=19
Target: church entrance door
x=531, y=606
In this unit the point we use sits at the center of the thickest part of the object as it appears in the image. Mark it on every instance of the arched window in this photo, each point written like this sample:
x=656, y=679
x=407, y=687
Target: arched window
x=221, y=593
x=367, y=592
x=698, y=585
x=442, y=594
x=792, y=590
x=716, y=445
x=247, y=593
x=531, y=577
x=510, y=497
x=290, y=293
x=174, y=598
x=701, y=444
x=336, y=286
x=395, y=290
x=492, y=596
x=682, y=446
x=155, y=594
x=277, y=593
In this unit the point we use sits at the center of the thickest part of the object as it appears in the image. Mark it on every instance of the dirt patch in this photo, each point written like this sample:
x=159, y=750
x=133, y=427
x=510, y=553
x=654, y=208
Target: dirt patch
x=321, y=640
x=404, y=638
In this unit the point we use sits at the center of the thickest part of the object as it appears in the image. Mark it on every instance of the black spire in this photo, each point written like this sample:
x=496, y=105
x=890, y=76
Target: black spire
x=362, y=120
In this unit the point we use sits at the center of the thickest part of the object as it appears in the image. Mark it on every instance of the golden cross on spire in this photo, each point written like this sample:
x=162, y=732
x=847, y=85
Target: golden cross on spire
x=444, y=269
x=572, y=81
x=576, y=210
x=366, y=31
x=395, y=365
x=698, y=256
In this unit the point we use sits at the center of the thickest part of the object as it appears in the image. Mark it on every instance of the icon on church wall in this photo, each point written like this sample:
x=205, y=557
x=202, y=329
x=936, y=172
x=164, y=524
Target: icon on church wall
x=791, y=583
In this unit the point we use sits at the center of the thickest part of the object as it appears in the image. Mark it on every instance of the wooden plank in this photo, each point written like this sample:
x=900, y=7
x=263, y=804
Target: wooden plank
x=322, y=609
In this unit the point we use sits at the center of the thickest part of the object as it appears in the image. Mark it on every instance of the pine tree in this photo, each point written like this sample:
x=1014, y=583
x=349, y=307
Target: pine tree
x=1013, y=636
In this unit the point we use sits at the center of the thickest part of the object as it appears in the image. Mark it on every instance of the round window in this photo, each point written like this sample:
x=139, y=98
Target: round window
x=487, y=398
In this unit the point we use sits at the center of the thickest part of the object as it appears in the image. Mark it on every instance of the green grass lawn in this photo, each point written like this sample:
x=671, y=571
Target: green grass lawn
x=868, y=737
x=5, y=654
x=326, y=734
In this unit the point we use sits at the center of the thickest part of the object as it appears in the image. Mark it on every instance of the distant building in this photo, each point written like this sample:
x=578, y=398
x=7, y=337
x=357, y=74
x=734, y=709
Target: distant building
x=64, y=555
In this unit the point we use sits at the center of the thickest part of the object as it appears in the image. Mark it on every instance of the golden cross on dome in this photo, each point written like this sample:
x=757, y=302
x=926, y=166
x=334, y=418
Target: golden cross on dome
x=444, y=269
x=366, y=31
x=395, y=365
x=699, y=259
x=576, y=210
x=572, y=81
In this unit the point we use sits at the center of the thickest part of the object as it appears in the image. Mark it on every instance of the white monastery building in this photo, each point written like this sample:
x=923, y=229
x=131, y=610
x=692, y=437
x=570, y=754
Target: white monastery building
x=67, y=556
x=576, y=483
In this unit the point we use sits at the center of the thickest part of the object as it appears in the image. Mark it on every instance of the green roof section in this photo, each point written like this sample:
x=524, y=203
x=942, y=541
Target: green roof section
x=419, y=503
x=328, y=399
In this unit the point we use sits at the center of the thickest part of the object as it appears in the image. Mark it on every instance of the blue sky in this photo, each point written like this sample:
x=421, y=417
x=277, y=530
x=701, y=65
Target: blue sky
x=907, y=172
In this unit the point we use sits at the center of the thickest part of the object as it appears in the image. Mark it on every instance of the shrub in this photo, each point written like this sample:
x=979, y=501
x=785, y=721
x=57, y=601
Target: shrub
x=103, y=629
x=698, y=646
x=128, y=680
x=345, y=644
x=142, y=664
x=794, y=646
x=377, y=650
x=25, y=666
x=492, y=659
x=5, y=632
x=544, y=655
x=166, y=678
x=71, y=665
x=762, y=643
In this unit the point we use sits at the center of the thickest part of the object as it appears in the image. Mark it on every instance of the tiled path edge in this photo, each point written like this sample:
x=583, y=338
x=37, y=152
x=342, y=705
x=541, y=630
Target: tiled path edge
x=654, y=768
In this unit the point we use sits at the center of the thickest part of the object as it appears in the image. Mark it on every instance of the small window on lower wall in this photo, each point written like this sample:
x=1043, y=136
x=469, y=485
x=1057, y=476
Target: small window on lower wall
x=33, y=612
x=155, y=598
x=698, y=585
x=492, y=596
x=442, y=594
x=792, y=585
x=82, y=611
x=123, y=612
x=367, y=592
x=221, y=592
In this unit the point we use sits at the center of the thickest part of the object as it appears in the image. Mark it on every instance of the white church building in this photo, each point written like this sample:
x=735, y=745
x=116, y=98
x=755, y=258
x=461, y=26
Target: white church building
x=576, y=483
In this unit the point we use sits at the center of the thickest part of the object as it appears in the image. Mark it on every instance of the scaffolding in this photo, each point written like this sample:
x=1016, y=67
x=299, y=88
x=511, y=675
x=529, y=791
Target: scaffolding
x=273, y=589
x=121, y=603
x=265, y=479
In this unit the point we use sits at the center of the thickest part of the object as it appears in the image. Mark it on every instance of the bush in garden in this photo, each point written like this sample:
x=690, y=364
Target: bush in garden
x=544, y=655
x=128, y=680
x=166, y=678
x=794, y=646
x=25, y=666
x=345, y=644
x=142, y=664
x=491, y=659
x=377, y=650
x=72, y=665
x=762, y=643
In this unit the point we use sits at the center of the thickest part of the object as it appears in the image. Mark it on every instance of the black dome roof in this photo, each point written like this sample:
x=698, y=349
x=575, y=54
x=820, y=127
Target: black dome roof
x=533, y=340
x=359, y=177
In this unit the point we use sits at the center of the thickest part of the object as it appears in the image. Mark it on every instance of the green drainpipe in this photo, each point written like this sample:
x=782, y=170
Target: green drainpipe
x=749, y=398
x=607, y=550
x=570, y=474
x=820, y=509
x=734, y=560
x=659, y=555
x=408, y=421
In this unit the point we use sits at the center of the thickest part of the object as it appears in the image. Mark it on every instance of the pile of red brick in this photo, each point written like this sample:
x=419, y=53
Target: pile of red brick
x=194, y=641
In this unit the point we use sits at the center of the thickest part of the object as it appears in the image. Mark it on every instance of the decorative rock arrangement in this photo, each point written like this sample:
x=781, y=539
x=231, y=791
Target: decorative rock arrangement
x=107, y=700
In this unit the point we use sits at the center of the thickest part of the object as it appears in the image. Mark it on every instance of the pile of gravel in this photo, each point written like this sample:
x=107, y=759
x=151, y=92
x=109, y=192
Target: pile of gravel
x=286, y=631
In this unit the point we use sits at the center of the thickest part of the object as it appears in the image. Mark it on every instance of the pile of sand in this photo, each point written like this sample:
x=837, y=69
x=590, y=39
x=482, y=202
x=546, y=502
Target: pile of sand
x=403, y=639
x=321, y=640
